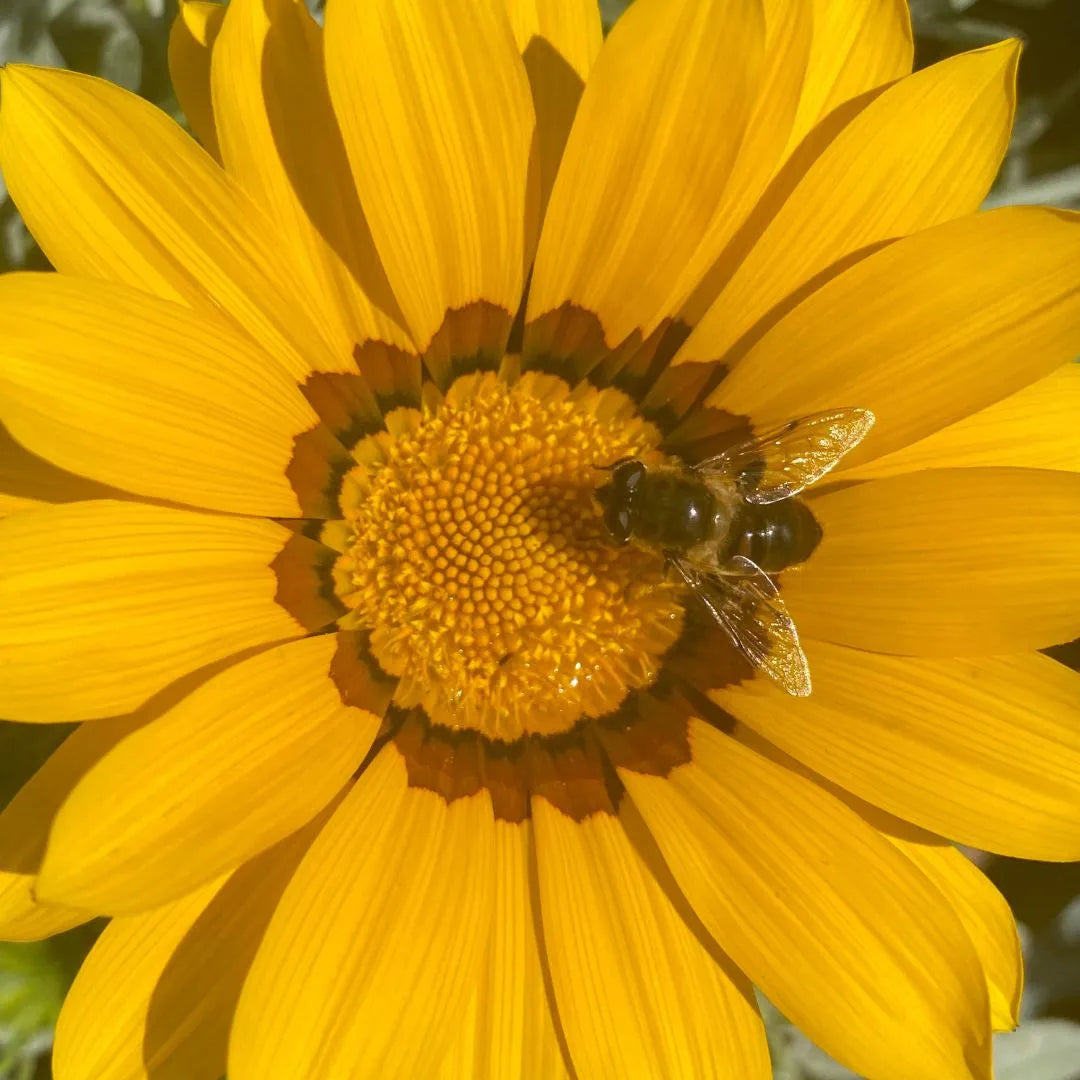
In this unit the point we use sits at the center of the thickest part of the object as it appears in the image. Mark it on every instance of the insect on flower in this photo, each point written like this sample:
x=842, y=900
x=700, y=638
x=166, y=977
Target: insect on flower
x=390, y=759
x=729, y=521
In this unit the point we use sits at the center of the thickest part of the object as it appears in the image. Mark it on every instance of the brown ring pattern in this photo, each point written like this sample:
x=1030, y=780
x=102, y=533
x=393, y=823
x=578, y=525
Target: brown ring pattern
x=574, y=770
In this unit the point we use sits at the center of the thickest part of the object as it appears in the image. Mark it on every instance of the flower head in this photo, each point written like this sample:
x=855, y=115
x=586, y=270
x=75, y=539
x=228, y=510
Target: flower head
x=390, y=761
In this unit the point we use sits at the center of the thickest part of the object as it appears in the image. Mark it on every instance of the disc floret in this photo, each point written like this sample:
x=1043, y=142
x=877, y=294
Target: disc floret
x=480, y=566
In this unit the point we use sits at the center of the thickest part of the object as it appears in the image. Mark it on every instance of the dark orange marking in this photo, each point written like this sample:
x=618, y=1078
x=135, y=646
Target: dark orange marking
x=648, y=734
x=570, y=772
x=471, y=338
x=305, y=586
x=357, y=675
x=677, y=393
x=506, y=779
x=568, y=342
x=448, y=763
x=393, y=374
x=573, y=771
x=345, y=403
x=351, y=405
x=635, y=365
x=318, y=463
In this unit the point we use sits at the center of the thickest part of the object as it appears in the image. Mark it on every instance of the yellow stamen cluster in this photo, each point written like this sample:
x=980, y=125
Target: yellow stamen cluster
x=482, y=570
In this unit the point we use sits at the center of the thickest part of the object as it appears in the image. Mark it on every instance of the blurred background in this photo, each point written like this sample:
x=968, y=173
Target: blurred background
x=125, y=41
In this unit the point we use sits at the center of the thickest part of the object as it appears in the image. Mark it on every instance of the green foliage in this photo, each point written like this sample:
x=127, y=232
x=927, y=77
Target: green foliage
x=31, y=990
x=34, y=978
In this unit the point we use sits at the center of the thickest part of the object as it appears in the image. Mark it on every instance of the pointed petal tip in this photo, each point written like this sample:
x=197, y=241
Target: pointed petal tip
x=18, y=74
x=41, y=83
x=1005, y=54
x=50, y=889
x=9, y=75
x=202, y=19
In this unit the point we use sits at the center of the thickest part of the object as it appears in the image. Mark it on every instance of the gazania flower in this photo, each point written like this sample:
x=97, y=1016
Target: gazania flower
x=390, y=763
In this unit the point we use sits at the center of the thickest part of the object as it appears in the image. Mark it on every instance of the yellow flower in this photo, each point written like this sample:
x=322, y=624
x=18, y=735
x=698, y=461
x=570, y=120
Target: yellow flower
x=392, y=764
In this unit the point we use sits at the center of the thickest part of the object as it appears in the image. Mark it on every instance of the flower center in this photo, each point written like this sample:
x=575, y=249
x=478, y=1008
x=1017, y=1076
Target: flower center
x=480, y=566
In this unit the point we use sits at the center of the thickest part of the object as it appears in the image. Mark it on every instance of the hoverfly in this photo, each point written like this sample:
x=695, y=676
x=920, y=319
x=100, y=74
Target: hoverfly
x=727, y=523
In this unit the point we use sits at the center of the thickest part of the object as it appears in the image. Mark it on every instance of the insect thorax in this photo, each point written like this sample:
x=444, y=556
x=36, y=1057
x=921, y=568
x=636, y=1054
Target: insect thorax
x=676, y=511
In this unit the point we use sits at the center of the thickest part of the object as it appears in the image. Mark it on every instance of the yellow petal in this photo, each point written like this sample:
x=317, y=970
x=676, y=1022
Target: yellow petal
x=985, y=751
x=645, y=164
x=434, y=106
x=818, y=55
x=12, y=504
x=27, y=820
x=510, y=1031
x=570, y=28
x=104, y=603
x=822, y=54
x=106, y=1013
x=112, y=188
x=639, y=992
x=926, y=331
x=980, y=907
x=790, y=35
x=558, y=41
x=191, y=40
x=856, y=48
x=148, y=395
x=280, y=140
x=923, y=151
x=28, y=481
x=156, y=817
x=824, y=915
x=25, y=918
x=25, y=824
x=375, y=950
x=945, y=562
x=155, y=997
x=1035, y=428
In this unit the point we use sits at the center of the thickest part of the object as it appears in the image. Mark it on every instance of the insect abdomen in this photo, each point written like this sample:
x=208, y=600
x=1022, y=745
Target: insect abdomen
x=774, y=536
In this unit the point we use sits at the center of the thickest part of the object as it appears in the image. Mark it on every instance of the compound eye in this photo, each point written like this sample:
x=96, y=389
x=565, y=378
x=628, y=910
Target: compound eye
x=628, y=474
x=617, y=521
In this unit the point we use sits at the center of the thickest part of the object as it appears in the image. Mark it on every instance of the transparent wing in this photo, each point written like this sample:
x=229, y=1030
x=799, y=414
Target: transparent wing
x=781, y=462
x=741, y=597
